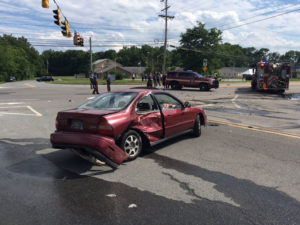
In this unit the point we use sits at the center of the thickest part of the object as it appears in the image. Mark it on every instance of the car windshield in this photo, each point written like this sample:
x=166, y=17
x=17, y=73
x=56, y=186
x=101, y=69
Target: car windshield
x=199, y=75
x=114, y=101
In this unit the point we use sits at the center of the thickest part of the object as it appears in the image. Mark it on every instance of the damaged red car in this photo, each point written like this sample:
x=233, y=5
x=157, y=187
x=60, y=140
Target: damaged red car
x=117, y=126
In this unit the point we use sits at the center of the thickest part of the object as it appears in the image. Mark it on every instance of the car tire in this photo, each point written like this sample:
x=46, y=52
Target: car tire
x=132, y=144
x=203, y=87
x=197, y=127
x=175, y=85
x=253, y=85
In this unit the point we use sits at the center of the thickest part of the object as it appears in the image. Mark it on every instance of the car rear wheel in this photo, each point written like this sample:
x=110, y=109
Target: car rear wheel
x=197, y=127
x=132, y=144
x=175, y=85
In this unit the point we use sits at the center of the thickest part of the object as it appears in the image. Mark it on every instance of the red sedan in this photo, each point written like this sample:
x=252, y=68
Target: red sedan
x=118, y=125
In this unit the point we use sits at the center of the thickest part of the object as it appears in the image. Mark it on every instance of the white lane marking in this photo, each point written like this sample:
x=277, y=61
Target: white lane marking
x=23, y=143
x=12, y=103
x=19, y=114
x=46, y=151
x=207, y=105
x=90, y=98
x=233, y=101
x=34, y=111
x=11, y=107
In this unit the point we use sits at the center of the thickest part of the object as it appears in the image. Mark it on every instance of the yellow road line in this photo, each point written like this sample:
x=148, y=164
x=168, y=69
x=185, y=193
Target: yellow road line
x=259, y=129
x=29, y=85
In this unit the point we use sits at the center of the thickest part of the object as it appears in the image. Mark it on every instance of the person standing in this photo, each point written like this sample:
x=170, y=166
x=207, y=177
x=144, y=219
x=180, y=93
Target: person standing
x=91, y=80
x=149, y=82
x=95, y=79
x=164, y=77
x=154, y=80
x=158, y=78
x=108, y=83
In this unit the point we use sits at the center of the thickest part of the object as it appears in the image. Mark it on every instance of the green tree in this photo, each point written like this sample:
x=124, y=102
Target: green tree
x=200, y=43
x=19, y=59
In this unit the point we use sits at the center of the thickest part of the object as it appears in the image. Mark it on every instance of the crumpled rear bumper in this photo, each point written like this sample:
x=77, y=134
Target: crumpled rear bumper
x=101, y=147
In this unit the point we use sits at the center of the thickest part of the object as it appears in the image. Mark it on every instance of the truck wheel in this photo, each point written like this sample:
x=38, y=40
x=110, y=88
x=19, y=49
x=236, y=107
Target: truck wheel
x=253, y=85
x=132, y=144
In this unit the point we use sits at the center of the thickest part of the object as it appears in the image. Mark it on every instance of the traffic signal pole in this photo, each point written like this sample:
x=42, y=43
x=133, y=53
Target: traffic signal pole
x=91, y=55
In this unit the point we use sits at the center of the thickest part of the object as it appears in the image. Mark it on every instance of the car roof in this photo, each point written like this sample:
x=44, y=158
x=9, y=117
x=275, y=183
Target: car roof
x=138, y=91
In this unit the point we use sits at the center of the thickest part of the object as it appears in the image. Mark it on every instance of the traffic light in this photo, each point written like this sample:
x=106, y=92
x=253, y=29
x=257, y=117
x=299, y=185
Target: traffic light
x=77, y=40
x=81, y=42
x=45, y=3
x=66, y=29
x=57, y=17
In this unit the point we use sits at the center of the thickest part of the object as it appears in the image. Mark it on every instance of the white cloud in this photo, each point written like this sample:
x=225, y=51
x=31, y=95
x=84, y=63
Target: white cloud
x=134, y=22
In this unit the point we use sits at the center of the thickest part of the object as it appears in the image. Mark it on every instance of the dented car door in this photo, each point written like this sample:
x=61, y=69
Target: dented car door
x=149, y=119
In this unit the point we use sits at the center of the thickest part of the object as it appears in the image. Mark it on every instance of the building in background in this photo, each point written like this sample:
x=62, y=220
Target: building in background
x=102, y=67
x=232, y=72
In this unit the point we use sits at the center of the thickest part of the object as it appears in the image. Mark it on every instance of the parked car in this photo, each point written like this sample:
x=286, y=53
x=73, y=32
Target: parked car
x=45, y=78
x=180, y=79
x=11, y=79
x=247, y=76
x=117, y=126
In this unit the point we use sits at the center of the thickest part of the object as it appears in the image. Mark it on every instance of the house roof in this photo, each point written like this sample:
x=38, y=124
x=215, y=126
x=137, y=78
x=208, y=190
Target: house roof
x=99, y=61
x=135, y=69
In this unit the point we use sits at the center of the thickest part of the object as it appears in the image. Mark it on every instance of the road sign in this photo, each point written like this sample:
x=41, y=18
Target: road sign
x=205, y=62
x=204, y=68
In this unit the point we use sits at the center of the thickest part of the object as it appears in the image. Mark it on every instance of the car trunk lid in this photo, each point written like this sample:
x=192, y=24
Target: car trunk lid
x=80, y=120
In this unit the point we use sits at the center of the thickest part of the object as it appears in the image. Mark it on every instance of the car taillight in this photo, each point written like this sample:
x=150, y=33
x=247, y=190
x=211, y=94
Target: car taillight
x=105, y=128
x=56, y=123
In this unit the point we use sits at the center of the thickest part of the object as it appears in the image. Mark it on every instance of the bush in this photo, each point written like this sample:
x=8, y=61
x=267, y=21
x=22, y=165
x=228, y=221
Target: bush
x=119, y=75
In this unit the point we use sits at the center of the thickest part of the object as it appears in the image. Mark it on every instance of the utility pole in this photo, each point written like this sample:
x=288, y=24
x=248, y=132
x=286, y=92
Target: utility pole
x=91, y=56
x=166, y=17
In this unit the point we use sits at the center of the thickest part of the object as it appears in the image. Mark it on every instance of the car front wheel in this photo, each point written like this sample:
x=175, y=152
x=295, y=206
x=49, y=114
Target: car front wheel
x=203, y=87
x=132, y=144
x=197, y=127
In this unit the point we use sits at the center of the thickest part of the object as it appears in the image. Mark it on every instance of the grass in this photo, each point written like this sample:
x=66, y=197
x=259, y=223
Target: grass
x=85, y=81
x=72, y=80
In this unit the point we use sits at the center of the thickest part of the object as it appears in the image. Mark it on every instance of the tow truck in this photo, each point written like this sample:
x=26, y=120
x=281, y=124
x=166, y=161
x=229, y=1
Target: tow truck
x=271, y=76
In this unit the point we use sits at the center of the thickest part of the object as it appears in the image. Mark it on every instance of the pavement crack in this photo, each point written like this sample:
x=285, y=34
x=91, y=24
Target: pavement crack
x=185, y=186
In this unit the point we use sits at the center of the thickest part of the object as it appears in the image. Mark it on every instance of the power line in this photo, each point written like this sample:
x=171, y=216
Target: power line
x=267, y=12
x=262, y=19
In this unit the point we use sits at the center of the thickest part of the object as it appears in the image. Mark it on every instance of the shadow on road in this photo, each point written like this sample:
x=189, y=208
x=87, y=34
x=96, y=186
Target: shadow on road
x=86, y=198
x=35, y=157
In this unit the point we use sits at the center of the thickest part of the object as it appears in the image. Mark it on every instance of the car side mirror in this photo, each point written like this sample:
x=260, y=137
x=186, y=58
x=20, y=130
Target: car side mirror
x=187, y=105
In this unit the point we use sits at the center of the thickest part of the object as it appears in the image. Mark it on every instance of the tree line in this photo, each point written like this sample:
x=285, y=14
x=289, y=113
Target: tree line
x=18, y=58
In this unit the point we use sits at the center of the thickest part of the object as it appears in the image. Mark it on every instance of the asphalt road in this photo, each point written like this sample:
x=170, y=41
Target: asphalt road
x=244, y=169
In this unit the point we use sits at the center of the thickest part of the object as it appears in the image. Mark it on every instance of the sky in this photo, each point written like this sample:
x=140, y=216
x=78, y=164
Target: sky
x=112, y=24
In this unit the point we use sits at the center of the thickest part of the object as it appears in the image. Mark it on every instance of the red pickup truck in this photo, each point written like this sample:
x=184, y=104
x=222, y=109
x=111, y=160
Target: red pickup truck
x=180, y=79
